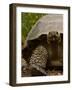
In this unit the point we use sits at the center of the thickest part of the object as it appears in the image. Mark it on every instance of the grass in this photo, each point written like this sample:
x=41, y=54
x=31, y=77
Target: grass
x=27, y=22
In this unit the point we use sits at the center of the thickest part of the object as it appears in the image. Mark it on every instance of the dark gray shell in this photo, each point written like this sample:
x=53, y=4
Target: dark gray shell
x=46, y=24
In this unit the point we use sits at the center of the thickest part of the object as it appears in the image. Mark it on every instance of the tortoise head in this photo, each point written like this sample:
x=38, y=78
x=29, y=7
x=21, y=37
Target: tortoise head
x=53, y=37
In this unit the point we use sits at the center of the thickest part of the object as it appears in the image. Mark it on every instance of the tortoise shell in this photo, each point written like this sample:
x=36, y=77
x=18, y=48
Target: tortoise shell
x=46, y=24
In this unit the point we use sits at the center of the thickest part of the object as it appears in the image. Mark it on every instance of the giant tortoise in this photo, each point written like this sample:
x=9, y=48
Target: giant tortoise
x=45, y=41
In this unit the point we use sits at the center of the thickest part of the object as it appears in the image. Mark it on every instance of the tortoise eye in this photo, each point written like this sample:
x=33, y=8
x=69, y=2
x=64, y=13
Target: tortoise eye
x=49, y=34
x=56, y=32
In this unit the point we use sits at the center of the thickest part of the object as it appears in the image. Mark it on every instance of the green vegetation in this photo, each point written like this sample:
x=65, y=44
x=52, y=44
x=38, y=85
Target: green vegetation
x=27, y=21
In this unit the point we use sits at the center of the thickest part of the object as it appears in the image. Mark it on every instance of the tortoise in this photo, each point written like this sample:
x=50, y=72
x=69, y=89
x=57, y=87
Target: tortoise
x=45, y=40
